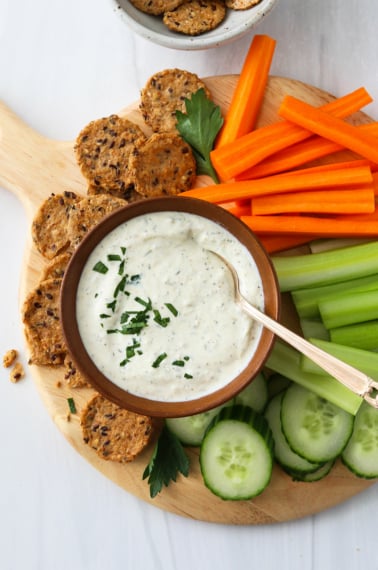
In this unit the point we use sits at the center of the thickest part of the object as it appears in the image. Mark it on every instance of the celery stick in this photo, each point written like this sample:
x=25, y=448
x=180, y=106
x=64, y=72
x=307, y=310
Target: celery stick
x=349, y=308
x=318, y=245
x=306, y=301
x=285, y=360
x=295, y=272
x=314, y=328
x=364, y=360
x=360, y=335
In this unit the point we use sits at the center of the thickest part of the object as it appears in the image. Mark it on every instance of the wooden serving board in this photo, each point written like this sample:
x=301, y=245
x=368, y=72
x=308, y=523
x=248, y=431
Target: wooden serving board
x=33, y=167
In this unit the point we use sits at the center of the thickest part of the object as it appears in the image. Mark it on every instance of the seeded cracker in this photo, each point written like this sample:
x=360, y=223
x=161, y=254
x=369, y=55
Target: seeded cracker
x=102, y=151
x=241, y=4
x=72, y=374
x=164, y=165
x=41, y=320
x=155, y=7
x=56, y=267
x=115, y=433
x=164, y=93
x=195, y=17
x=88, y=212
x=49, y=227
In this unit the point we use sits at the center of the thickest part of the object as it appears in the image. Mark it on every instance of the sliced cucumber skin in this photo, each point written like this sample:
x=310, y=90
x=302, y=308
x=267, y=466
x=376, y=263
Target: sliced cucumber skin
x=314, y=428
x=283, y=454
x=361, y=453
x=255, y=395
x=313, y=476
x=190, y=430
x=235, y=423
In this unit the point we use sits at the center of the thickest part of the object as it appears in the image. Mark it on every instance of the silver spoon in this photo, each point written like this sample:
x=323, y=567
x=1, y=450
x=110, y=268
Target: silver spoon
x=354, y=379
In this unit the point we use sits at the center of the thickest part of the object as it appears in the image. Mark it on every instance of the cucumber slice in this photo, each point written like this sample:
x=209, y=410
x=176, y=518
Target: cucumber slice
x=315, y=428
x=283, y=453
x=316, y=475
x=361, y=453
x=236, y=456
x=190, y=430
x=255, y=395
x=277, y=383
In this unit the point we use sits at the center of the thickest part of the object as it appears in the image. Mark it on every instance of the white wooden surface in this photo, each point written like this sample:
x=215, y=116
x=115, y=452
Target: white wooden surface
x=61, y=65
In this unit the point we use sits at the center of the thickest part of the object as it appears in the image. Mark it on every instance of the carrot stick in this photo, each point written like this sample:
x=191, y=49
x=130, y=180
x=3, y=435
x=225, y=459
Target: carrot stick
x=347, y=177
x=297, y=155
x=355, y=201
x=333, y=128
x=276, y=243
x=312, y=225
x=237, y=207
x=231, y=159
x=249, y=92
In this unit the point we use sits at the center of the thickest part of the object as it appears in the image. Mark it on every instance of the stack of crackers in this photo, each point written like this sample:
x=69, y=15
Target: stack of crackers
x=120, y=164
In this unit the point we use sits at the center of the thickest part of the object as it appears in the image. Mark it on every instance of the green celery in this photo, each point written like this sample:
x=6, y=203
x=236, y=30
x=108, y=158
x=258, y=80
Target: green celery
x=360, y=335
x=299, y=271
x=306, y=301
x=285, y=360
x=313, y=328
x=325, y=244
x=364, y=360
x=349, y=308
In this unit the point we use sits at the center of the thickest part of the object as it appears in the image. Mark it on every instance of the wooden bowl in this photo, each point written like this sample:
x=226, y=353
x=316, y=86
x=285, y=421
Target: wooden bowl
x=70, y=325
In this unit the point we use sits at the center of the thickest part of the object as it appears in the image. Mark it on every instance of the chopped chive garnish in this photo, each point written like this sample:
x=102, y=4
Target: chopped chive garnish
x=188, y=376
x=135, y=278
x=100, y=267
x=120, y=287
x=123, y=249
x=178, y=363
x=159, y=360
x=71, y=405
x=146, y=304
x=114, y=257
x=121, y=267
x=186, y=358
x=104, y=316
x=163, y=322
x=171, y=308
x=124, y=317
x=111, y=305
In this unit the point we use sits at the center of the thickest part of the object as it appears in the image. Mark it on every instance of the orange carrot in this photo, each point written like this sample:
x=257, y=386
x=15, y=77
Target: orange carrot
x=312, y=225
x=299, y=154
x=249, y=91
x=231, y=159
x=356, y=201
x=301, y=180
x=237, y=207
x=275, y=243
x=322, y=123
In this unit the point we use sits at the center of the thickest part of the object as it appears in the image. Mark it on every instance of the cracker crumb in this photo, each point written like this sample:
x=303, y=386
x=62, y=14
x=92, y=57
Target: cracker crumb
x=17, y=373
x=9, y=357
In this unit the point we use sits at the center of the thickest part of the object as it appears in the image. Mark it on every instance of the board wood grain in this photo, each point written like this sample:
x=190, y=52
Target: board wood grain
x=33, y=166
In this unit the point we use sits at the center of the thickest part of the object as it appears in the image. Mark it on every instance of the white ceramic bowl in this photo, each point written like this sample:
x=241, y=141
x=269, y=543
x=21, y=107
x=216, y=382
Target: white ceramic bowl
x=236, y=24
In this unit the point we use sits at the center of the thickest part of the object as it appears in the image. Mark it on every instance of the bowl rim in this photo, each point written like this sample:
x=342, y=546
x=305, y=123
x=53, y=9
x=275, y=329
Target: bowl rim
x=76, y=348
x=214, y=38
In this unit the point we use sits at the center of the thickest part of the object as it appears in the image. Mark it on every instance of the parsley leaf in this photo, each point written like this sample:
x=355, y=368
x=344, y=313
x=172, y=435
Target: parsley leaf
x=167, y=460
x=199, y=127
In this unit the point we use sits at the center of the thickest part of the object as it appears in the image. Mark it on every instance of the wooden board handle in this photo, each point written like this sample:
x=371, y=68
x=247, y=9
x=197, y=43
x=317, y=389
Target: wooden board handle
x=27, y=160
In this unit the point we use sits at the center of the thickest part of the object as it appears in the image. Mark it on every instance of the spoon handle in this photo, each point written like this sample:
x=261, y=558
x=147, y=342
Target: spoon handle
x=354, y=379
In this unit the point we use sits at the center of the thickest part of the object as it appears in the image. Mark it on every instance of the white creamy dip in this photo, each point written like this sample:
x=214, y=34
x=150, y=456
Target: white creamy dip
x=192, y=337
